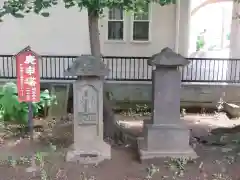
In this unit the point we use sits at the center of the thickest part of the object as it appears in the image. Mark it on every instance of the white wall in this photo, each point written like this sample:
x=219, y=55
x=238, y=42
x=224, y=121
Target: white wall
x=162, y=34
x=65, y=32
x=235, y=33
x=183, y=18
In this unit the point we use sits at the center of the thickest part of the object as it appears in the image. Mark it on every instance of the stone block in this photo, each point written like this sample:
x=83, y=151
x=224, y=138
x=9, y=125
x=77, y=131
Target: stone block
x=232, y=109
x=165, y=141
x=166, y=135
x=89, y=152
x=88, y=146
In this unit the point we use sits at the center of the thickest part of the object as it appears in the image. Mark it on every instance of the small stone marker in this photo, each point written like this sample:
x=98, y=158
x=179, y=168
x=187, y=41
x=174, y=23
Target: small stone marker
x=166, y=135
x=89, y=146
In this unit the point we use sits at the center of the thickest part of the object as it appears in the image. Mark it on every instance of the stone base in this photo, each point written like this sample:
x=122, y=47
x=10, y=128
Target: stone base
x=165, y=141
x=151, y=154
x=89, y=153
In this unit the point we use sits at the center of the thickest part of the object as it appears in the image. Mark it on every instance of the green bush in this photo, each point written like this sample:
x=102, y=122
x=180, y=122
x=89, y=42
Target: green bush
x=11, y=110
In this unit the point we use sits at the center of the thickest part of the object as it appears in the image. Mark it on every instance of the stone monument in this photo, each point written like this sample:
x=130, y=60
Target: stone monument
x=166, y=135
x=89, y=146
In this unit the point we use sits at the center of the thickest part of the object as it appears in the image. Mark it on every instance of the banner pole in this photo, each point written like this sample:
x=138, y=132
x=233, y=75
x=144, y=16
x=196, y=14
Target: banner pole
x=30, y=120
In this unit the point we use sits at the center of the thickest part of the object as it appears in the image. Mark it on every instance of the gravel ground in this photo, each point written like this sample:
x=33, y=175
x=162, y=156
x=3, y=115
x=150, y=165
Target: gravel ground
x=214, y=162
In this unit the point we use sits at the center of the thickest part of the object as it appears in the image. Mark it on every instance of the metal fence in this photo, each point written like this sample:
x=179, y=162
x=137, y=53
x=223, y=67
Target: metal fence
x=132, y=69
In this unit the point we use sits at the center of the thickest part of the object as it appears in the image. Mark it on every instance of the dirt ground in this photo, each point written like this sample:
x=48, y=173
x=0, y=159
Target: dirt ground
x=215, y=162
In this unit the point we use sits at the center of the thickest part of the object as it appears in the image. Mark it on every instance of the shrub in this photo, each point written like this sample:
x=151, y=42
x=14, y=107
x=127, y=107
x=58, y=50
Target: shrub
x=11, y=110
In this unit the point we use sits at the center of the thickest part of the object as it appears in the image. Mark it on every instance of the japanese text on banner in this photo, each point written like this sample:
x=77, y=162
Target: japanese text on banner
x=28, y=79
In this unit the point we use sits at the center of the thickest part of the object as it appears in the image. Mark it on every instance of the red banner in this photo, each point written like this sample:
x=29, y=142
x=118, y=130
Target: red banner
x=28, y=79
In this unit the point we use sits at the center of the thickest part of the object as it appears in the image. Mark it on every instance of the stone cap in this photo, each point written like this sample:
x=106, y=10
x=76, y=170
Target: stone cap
x=87, y=65
x=167, y=57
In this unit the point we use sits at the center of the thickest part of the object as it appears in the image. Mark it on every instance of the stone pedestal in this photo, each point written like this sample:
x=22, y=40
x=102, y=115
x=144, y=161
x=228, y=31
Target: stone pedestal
x=165, y=141
x=89, y=152
x=166, y=135
x=89, y=146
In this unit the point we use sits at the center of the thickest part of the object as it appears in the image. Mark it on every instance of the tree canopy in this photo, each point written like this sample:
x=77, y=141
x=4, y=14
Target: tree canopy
x=19, y=8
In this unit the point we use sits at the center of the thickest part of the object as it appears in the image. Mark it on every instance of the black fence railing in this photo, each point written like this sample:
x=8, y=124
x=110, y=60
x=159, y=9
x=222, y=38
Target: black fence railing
x=212, y=70
x=132, y=69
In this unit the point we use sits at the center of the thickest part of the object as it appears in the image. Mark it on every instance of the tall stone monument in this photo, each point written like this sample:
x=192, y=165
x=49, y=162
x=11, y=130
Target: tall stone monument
x=166, y=135
x=89, y=146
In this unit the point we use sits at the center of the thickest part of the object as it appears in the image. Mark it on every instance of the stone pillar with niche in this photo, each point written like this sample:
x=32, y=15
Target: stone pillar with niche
x=88, y=146
x=166, y=135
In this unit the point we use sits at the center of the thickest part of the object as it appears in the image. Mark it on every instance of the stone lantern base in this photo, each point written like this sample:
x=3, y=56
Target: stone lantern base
x=167, y=135
x=89, y=147
x=89, y=153
x=165, y=141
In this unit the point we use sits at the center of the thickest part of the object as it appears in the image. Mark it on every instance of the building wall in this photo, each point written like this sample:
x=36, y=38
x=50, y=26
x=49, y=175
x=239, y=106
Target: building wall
x=65, y=32
x=162, y=34
x=235, y=32
x=169, y=28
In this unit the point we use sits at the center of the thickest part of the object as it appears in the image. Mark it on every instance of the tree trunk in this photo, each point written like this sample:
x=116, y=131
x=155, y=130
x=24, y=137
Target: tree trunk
x=94, y=33
x=108, y=120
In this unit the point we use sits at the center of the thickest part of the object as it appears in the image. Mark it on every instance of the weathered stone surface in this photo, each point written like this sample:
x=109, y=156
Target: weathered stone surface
x=87, y=65
x=232, y=109
x=166, y=135
x=192, y=95
x=167, y=57
x=89, y=146
x=165, y=141
x=90, y=152
x=166, y=92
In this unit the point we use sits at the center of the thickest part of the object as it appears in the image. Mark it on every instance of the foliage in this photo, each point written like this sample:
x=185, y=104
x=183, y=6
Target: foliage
x=177, y=165
x=200, y=44
x=13, y=110
x=109, y=95
x=140, y=110
x=19, y=8
x=151, y=171
x=36, y=162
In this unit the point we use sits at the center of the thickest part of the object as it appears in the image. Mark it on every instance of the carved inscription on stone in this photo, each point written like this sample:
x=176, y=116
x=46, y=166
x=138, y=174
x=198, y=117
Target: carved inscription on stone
x=88, y=106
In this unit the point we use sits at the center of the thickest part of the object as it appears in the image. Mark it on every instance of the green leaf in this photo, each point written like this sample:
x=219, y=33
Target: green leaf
x=22, y=117
x=27, y=11
x=45, y=95
x=12, y=110
x=54, y=2
x=18, y=15
x=18, y=8
x=9, y=88
x=45, y=14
